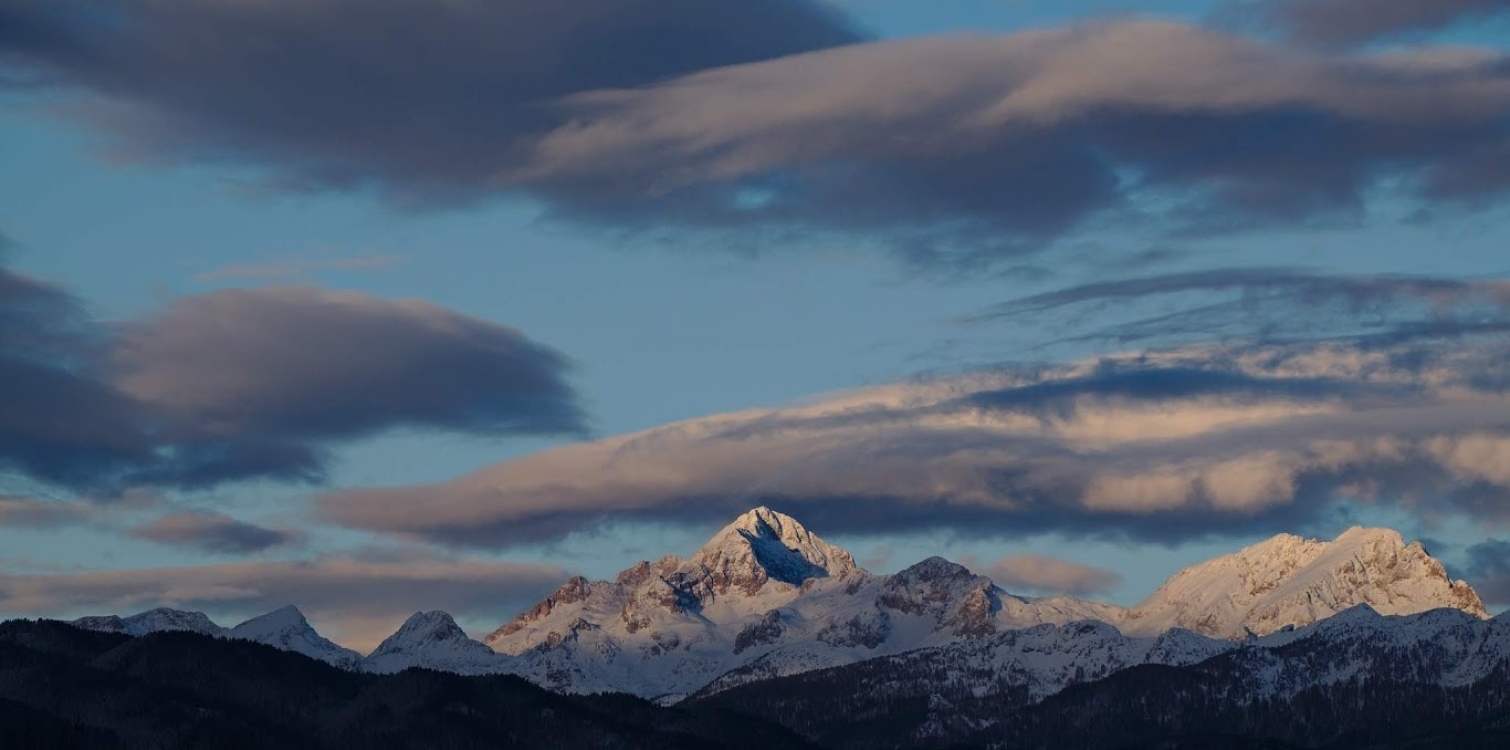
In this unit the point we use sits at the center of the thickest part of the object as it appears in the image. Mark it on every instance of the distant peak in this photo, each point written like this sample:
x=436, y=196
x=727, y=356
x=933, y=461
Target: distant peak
x=432, y=620
x=763, y=545
x=284, y=617
x=758, y=519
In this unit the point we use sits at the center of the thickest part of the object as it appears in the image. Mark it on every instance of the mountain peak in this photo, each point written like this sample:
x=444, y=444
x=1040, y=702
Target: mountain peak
x=1288, y=580
x=763, y=545
x=287, y=616
x=421, y=630
x=152, y=621
x=287, y=628
x=432, y=640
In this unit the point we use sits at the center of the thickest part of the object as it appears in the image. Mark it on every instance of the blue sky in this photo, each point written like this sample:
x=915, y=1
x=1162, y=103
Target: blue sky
x=664, y=314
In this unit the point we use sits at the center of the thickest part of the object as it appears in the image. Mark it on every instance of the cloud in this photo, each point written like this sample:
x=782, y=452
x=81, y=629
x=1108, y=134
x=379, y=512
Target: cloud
x=295, y=269
x=31, y=513
x=316, y=92
x=1046, y=574
x=1271, y=304
x=59, y=421
x=356, y=601
x=998, y=144
x=252, y=383
x=1163, y=445
x=300, y=363
x=213, y=532
x=1341, y=22
x=954, y=149
x=1489, y=568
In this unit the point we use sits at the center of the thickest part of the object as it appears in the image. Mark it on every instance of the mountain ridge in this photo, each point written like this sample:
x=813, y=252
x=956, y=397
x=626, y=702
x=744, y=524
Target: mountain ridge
x=765, y=597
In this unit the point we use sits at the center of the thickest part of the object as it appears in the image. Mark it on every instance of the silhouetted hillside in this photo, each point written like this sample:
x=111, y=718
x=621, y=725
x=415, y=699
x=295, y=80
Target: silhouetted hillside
x=64, y=687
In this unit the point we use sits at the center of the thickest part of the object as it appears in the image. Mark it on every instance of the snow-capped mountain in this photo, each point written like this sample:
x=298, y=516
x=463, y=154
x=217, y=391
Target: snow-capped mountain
x=434, y=641
x=287, y=629
x=1290, y=581
x=983, y=690
x=1040, y=660
x=766, y=597
x=152, y=621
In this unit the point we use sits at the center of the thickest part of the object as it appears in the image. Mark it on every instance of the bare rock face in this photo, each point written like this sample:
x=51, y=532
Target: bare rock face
x=767, y=629
x=576, y=589
x=953, y=596
x=868, y=629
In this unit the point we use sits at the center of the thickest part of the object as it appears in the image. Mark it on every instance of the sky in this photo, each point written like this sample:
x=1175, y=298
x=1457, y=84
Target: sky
x=376, y=306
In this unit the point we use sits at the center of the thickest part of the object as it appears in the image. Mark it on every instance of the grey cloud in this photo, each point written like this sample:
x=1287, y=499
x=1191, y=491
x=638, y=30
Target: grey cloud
x=1163, y=445
x=213, y=532
x=59, y=421
x=969, y=145
x=1337, y=22
x=26, y=512
x=426, y=100
x=1489, y=568
x=946, y=150
x=296, y=269
x=300, y=363
x=355, y=601
x=1043, y=574
x=258, y=383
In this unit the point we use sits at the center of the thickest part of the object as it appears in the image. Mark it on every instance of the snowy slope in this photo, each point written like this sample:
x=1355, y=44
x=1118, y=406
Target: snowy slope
x=961, y=692
x=434, y=641
x=287, y=629
x=152, y=621
x=765, y=598
x=1290, y=581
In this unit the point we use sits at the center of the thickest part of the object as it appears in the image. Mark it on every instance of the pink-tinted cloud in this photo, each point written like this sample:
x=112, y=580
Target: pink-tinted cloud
x=1043, y=574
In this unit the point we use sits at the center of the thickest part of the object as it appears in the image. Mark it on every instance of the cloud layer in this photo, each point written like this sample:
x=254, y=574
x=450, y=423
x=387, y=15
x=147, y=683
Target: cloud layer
x=1337, y=22
x=1157, y=445
x=213, y=532
x=957, y=149
x=428, y=100
x=1489, y=565
x=1268, y=304
x=356, y=601
x=252, y=383
x=1042, y=574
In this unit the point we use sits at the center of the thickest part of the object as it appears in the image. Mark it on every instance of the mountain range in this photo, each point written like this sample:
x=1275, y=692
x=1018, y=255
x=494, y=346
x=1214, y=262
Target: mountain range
x=767, y=598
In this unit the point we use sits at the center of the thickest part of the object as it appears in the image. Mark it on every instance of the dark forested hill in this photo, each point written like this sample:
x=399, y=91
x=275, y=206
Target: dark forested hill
x=61, y=687
x=1437, y=681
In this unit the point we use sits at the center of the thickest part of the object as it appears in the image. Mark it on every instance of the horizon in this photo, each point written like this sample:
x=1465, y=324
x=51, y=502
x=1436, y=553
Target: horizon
x=377, y=309
x=368, y=648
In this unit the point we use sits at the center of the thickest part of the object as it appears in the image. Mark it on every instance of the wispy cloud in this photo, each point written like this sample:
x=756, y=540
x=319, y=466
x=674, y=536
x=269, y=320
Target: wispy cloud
x=295, y=269
x=1264, y=303
x=1040, y=574
x=1156, y=445
x=1343, y=22
x=214, y=532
